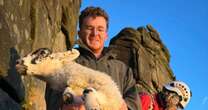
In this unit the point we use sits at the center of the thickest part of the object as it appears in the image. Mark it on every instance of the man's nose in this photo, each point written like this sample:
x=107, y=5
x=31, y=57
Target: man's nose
x=95, y=32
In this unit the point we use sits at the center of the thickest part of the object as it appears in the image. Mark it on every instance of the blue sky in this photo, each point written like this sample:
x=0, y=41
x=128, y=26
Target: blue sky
x=182, y=25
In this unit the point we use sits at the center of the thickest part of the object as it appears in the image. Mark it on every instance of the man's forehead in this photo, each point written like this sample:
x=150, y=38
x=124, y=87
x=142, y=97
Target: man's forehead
x=97, y=21
x=94, y=19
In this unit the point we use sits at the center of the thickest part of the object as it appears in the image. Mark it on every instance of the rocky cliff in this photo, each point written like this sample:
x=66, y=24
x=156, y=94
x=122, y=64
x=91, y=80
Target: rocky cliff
x=26, y=25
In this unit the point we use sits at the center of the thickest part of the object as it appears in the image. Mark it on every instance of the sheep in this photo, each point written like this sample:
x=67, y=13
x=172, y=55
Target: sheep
x=61, y=72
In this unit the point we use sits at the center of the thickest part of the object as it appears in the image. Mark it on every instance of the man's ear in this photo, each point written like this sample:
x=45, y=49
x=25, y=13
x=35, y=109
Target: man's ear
x=106, y=36
x=79, y=34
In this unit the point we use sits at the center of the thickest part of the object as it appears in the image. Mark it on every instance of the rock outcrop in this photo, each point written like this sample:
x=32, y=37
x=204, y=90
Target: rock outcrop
x=146, y=54
x=26, y=25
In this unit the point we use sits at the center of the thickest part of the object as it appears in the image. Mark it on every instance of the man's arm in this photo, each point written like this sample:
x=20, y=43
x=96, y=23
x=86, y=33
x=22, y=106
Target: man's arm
x=131, y=95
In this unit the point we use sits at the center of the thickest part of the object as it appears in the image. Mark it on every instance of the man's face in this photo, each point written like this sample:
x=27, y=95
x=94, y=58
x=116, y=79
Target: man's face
x=93, y=33
x=172, y=99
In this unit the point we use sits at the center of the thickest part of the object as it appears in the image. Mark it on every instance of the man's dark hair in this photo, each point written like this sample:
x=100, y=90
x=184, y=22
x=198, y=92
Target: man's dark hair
x=94, y=12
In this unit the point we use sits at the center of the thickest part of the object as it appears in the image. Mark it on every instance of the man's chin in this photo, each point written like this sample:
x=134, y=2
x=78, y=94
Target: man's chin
x=95, y=49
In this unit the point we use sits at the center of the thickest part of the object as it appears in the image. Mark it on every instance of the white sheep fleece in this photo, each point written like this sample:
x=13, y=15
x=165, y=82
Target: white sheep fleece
x=59, y=69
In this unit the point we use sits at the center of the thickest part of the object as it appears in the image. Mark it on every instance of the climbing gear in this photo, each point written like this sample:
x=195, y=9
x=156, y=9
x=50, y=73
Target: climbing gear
x=182, y=90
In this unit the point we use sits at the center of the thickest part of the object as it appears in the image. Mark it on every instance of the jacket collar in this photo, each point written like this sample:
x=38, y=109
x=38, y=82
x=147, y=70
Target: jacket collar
x=84, y=50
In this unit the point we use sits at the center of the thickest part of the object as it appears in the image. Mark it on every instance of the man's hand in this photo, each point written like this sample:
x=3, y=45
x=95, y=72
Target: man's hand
x=123, y=106
x=73, y=107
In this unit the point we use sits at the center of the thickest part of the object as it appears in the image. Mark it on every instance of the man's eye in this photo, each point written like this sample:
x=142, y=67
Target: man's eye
x=101, y=30
x=89, y=28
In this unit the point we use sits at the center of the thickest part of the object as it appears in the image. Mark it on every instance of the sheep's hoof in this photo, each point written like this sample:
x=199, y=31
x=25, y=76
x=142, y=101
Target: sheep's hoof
x=68, y=97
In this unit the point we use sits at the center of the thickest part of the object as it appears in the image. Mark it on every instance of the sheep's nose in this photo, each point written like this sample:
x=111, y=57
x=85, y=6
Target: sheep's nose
x=19, y=61
x=20, y=67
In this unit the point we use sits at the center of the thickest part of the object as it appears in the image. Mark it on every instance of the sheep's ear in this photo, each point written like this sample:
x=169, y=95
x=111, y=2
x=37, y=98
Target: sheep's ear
x=74, y=54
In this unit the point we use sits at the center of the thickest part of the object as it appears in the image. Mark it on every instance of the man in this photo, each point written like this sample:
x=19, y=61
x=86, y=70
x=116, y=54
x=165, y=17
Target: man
x=93, y=24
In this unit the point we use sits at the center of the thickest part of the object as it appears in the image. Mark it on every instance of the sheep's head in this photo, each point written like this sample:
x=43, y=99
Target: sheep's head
x=43, y=59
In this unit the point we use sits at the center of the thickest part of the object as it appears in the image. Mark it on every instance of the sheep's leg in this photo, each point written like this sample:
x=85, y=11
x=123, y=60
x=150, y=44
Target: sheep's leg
x=90, y=99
